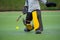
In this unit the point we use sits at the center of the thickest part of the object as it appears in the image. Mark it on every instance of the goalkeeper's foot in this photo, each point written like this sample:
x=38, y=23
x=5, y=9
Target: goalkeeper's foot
x=38, y=31
x=28, y=28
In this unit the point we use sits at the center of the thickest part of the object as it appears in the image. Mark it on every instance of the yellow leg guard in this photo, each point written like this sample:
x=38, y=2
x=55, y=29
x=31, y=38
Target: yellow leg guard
x=35, y=20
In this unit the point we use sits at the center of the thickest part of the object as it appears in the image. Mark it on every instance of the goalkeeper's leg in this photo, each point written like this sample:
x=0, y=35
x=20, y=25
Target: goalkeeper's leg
x=27, y=22
x=37, y=21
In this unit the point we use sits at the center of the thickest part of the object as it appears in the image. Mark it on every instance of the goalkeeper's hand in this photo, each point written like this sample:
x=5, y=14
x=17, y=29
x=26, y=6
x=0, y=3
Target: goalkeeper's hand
x=50, y=4
x=25, y=9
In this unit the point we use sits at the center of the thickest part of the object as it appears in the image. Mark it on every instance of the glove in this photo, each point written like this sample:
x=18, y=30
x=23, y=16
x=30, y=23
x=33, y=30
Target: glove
x=51, y=4
x=25, y=9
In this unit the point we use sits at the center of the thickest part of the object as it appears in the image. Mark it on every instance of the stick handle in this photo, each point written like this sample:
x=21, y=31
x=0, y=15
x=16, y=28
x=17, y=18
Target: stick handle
x=19, y=18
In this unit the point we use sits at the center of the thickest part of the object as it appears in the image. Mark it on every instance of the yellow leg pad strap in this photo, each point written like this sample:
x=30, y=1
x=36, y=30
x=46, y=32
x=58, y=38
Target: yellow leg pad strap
x=35, y=20
x=29, y=26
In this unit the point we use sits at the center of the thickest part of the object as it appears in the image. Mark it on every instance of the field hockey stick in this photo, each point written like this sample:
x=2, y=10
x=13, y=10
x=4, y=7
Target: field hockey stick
x=17, y=27
x=19, y=18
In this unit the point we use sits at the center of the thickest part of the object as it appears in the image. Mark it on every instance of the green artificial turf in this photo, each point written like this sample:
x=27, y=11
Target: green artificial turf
x=51, y=25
